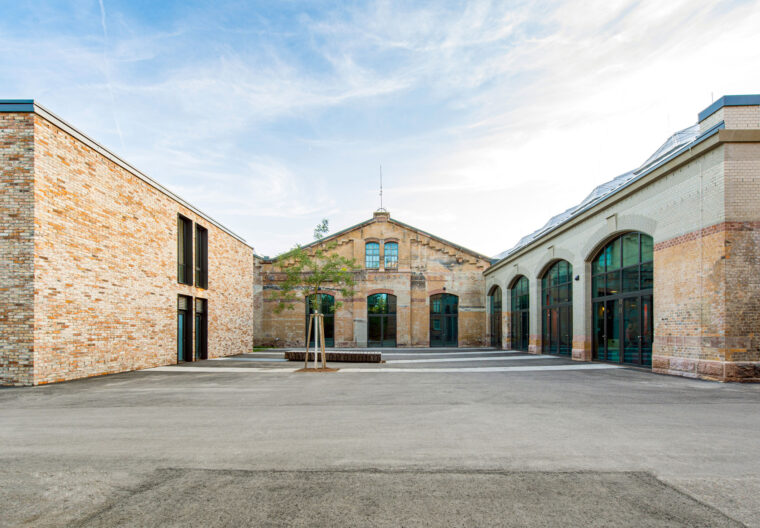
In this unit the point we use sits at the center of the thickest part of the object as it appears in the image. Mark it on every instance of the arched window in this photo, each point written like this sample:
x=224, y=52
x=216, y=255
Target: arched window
x=391, y=255
x=621, y=291
x=381, y=320
x=444, y=320
x=494, y=314
x=326, y=304
x=557, y=309
x=520, y=327
x=372, y=255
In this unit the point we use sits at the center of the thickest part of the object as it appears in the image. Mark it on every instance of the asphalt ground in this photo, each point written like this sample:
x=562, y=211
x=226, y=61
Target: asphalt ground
x=245, y=442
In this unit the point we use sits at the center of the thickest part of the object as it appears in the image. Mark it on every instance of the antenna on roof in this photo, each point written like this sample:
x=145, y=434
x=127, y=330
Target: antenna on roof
x=381, y=188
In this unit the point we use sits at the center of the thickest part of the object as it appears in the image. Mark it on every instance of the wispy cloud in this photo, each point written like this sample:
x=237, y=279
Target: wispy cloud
x=489, y=117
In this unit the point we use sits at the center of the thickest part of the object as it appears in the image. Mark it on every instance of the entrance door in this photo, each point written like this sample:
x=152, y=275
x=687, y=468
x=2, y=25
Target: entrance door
x=444, y=320
x=381, y=320
x=184, y=324
x=557, y=308
x=622, y=296
x=326, y=308
x=201, y=330
x=607, y=330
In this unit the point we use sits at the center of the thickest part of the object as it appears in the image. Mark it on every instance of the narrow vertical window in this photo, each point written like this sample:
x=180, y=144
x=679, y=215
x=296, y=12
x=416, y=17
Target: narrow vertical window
x=372, y=255
x=391, y=255
x=201, y=257
x=184, y=250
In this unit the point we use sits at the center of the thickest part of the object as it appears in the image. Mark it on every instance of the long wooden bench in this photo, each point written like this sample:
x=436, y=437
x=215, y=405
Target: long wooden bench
x=349, y=356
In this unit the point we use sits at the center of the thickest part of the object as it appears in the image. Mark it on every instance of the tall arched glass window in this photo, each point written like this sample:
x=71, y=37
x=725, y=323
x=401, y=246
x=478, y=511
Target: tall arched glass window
x=622, y=295
x=372, y=255
x=444, y=320
x=557, y=309
x=494, y=301
x=520, y=314
x=391, y=255
x=381, y=320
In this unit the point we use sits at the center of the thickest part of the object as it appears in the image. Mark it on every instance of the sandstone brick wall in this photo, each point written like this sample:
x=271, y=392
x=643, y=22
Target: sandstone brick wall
x=16, y=249
x=425, y=265
x=105, y=257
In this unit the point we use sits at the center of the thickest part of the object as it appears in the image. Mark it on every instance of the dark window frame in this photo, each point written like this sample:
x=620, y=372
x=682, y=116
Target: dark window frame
x=200, y=344
x=185, y=307
x=615, y=285
x=184, y=250
x=201, y=257
x=557, y=301
x=495, y=300
x=375, y=262
x=520, y=313
x=391, y=261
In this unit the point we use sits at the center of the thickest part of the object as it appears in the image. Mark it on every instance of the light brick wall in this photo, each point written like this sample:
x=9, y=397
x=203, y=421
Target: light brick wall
x=105, y=274
x=740, y=117
x=425, y=265
x=16, y=249
x=704, y=219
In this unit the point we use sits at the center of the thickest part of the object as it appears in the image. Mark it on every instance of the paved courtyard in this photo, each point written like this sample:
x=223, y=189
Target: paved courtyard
x=429, y=438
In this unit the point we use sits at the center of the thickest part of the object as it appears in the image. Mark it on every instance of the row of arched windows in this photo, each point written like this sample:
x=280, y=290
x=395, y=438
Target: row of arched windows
x=622, y=304
x=381, y=319
x=372, y=255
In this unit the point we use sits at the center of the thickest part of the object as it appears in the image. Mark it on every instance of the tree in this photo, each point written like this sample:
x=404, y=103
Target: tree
x=309, y=268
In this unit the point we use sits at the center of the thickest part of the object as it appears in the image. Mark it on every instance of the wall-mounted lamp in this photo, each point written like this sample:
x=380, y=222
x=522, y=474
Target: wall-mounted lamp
x=577, y=277
x=444, y=288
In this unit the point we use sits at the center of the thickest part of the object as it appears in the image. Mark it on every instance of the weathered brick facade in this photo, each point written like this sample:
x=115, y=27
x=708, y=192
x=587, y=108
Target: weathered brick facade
x=101, y=240
x=16, y=249
x=426, y=265
x=702, y=209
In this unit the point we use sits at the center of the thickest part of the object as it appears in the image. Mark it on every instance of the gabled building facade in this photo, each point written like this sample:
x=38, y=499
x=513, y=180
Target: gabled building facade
x=413, y=290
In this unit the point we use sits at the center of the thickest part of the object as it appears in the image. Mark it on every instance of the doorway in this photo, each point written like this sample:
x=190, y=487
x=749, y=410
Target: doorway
x=381, y=320
x=444, y=320
x=184, y=328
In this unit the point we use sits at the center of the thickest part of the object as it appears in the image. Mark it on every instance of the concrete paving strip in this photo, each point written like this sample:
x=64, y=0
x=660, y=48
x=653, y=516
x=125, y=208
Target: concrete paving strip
x=593, y=366
x=453, y=353
x=247, y=370
x=466, y=359
x=259, y=359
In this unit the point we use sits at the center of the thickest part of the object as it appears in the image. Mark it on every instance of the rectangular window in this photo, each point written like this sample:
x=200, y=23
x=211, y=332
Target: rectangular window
x=184, y=250
x=391, y=255
x=372, y=255
x=201, y=257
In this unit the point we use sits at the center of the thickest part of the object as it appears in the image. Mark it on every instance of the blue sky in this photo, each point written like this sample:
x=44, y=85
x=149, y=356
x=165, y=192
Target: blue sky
x=488, y=117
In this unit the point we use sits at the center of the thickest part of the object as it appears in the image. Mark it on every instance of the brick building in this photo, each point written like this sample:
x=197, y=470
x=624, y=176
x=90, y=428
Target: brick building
x=414, y=289
x=102, y=269
x=657, y=268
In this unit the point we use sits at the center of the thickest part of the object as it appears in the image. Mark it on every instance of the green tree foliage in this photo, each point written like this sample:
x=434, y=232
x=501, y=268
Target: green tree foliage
x=307, y=269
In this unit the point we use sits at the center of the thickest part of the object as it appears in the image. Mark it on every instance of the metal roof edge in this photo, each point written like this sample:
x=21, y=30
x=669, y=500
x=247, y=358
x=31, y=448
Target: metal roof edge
x=31, y=106
x=708, y=133
x=729, y=100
